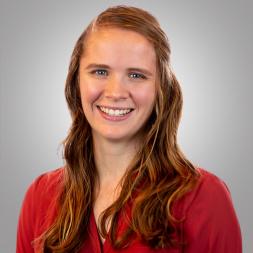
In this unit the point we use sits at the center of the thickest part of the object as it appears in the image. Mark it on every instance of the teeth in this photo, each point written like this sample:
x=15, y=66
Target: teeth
x=116, y=112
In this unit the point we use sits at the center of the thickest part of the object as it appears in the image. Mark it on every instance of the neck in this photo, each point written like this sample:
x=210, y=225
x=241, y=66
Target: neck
x=112, y=158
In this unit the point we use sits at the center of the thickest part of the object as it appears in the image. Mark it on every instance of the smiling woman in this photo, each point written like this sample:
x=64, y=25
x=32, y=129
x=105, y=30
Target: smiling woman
x=117, y=84
x=126, y=186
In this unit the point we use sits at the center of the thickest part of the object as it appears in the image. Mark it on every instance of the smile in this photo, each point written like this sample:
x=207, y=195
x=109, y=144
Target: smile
x=114, y=112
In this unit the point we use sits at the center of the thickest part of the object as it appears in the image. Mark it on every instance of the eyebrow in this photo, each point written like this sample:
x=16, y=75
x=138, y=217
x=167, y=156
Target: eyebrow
x=104, y=66
x=94, y=65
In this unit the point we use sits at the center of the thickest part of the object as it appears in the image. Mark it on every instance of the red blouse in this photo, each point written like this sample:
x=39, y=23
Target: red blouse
x=211, y=225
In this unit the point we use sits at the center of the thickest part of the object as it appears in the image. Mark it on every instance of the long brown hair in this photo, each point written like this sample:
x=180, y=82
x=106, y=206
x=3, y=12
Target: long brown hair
x=158, y=175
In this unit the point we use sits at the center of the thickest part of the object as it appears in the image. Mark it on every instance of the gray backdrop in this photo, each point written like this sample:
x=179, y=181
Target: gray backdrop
x=211, y=55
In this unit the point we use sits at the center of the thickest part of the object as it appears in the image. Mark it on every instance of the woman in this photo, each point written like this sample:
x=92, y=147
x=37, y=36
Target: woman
x=126, y=186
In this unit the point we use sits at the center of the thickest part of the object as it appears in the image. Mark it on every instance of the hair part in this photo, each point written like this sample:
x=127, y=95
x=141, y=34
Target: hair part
x=158, y=175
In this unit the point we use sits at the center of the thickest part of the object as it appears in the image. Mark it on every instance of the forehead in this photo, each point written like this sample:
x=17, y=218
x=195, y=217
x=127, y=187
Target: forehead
x=122, y=44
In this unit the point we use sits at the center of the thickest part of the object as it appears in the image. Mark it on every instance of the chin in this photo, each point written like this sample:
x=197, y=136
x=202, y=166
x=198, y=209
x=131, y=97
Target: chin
x=116, y=136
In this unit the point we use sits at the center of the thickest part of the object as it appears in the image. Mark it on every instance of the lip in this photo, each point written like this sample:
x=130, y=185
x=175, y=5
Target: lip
x=114, y=118
x=115, y=108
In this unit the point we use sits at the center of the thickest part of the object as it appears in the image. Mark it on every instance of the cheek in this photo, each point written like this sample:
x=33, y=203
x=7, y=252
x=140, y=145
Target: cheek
x=145, y=97
x=89, y=93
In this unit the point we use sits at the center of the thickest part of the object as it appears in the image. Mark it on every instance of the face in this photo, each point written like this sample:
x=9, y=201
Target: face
x=117, y=83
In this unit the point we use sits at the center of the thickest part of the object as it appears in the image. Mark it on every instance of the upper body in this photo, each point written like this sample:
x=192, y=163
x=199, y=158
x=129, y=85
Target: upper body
x=122, y=160
x=210, y=223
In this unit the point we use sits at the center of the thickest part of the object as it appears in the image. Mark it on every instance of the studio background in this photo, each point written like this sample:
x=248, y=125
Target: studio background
x=211, y=55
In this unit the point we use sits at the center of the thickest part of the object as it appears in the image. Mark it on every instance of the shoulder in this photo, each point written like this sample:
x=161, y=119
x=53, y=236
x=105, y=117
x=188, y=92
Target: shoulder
x=39, y=208
x=210, y=187
x=211, y=199
x=207, y=179
x=42, y=195
x=47, y=182
x=210, y=222
x=44, y=190
x=49, y=178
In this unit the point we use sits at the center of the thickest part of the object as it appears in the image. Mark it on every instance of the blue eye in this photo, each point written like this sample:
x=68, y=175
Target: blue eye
x=100, y=72
x=137, y=76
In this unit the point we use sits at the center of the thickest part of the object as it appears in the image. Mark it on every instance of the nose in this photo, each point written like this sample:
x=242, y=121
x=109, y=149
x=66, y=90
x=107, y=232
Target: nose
x=115, y=88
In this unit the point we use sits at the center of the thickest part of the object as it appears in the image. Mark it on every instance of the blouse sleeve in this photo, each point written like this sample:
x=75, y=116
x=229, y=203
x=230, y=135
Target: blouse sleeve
x=38, y=210
x=211, y=223
x=25, y=231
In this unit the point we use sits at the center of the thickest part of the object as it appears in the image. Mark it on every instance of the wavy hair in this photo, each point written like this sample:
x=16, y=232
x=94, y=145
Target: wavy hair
x=158, y=175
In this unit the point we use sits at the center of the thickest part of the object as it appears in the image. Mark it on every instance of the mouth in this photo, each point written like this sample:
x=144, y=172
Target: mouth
x=116, y=112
